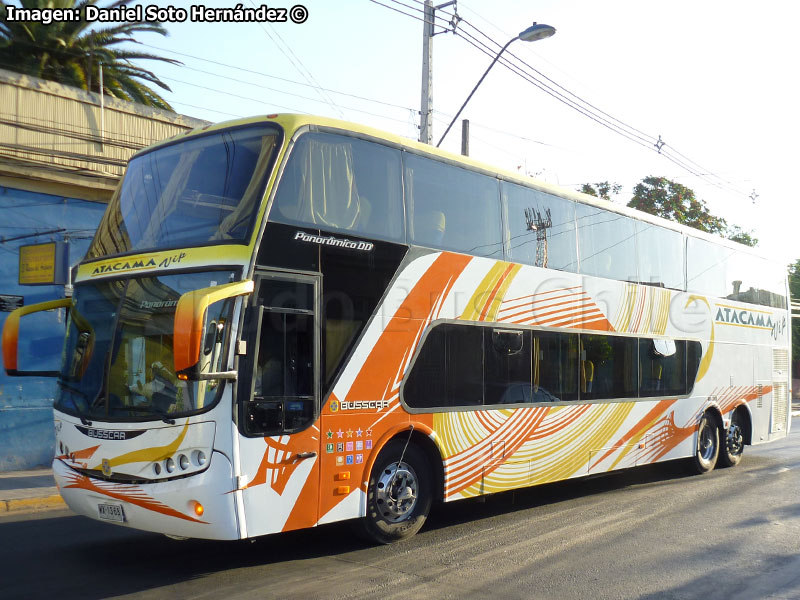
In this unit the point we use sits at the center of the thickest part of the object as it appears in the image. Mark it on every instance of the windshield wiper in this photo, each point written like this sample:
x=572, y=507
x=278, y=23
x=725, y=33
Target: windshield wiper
x=84, y=420
x=148, y=410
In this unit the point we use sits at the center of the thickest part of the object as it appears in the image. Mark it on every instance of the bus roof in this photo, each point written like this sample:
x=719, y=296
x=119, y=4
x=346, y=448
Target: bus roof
x=293, y=122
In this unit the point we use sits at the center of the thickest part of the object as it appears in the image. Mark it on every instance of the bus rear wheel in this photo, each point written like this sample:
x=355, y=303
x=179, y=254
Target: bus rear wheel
x=399, y=493
x=707, y=447
x=731, y=452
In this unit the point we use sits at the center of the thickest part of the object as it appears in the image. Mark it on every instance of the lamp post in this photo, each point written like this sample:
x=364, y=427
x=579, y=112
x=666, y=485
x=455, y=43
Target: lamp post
x=532, y=34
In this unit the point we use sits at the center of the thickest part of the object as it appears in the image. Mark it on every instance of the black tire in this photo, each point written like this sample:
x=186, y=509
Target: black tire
x=731, y=451
x=706, y=449
x=399, y=494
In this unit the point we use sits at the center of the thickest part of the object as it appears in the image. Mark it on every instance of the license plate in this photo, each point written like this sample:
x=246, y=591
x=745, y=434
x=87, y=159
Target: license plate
x=111, y=512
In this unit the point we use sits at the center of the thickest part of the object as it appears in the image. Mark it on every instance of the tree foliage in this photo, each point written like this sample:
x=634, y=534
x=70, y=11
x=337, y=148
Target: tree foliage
x=794, y=296
x=737, y=234
x=72, y=52
x=603, y=189
x=668, y=199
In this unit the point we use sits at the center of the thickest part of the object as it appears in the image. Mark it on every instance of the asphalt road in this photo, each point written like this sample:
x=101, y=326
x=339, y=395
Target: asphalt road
x=652, y=532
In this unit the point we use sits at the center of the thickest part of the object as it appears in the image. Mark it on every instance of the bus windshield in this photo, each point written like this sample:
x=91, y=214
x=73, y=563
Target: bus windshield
x=202, y=190
x=118, y=355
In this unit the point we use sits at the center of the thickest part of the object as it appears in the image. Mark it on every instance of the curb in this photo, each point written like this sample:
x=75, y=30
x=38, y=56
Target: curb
x=22, y=505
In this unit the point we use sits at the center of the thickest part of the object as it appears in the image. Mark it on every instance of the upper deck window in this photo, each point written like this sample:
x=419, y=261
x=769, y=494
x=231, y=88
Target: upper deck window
x=729, y=273
x=340, y=183
x=660, y=256
x=201, y=190
x=451, y=208
x=541, y=228
x=606, y=242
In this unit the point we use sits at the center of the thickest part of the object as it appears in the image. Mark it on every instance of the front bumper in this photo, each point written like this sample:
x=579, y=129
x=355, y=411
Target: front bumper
x=166, y=507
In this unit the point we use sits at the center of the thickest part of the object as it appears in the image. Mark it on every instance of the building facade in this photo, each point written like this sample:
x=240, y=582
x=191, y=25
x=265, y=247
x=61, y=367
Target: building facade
x=62, y=154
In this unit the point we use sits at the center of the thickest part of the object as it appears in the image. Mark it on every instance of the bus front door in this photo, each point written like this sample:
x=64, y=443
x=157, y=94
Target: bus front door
x=279, y=398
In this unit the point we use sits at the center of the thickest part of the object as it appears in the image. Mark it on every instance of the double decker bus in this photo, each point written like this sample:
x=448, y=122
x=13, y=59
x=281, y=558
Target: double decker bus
x=288, y=321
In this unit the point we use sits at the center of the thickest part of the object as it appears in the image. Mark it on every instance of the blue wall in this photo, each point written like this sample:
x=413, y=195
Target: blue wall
x=26, y=403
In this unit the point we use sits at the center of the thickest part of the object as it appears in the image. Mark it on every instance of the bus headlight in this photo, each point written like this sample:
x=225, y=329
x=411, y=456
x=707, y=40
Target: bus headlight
x=199, y=458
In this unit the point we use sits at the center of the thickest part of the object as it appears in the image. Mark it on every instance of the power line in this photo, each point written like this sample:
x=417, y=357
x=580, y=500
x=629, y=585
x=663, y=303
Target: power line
x=632, y=129
x=575, y=102
x=270, y=104
x=279, y=91
x=301, y=68
x=262, y=74
x=622, y=128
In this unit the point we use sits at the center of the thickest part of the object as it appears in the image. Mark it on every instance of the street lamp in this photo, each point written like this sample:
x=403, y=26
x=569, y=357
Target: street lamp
x=532, y=34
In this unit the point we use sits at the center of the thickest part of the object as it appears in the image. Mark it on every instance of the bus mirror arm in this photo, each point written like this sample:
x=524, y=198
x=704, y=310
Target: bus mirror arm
x=231, y=375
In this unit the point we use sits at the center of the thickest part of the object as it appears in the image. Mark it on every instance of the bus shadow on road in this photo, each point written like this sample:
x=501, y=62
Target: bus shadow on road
x=554, y=493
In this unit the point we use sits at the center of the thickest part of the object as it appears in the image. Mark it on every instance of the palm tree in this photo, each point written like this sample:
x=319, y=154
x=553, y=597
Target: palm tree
x=72, y=52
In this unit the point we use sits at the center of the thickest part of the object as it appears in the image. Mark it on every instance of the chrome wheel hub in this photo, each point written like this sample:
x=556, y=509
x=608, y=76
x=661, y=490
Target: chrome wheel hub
x=705, y=445
x=396, y=492
x=734, y=440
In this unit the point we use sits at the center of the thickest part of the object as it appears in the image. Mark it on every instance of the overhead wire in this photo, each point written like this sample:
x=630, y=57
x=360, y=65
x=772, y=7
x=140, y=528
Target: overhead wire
x=617, y=125
x=577, y=98
x=534, y=76
x=307, y=75
x=339, y=92
x=261, y=100
x=279, y=91
x=485, y=49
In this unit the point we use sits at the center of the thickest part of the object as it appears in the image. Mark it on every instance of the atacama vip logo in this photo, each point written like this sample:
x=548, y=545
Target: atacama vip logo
x=744, y=318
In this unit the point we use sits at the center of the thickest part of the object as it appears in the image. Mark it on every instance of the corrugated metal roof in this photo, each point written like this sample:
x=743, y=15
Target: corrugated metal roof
x=53, y=132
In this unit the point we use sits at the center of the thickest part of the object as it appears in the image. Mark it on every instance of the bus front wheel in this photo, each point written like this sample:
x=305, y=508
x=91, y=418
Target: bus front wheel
x=707, y=448
x=399, y=493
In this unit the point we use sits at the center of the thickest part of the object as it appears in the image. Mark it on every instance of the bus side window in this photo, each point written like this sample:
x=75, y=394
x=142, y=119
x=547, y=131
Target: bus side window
x=660, y=255
x=609, y=367
x=541, y=228
x=507, y=366
x=557, y=367
x=606, y=243
x=451, y=208
x=285, y=365
x=662, y=366
x=339, y=183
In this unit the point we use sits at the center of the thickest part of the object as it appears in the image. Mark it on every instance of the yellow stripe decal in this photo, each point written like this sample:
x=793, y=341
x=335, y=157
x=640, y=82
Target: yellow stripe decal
x=148, y=454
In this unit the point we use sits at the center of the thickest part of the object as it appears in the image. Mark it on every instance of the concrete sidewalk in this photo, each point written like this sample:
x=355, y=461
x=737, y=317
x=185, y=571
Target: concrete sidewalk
x=28, y=491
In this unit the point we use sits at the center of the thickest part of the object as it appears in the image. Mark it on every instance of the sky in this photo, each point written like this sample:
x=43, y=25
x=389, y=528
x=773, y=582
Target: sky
x=712, y=79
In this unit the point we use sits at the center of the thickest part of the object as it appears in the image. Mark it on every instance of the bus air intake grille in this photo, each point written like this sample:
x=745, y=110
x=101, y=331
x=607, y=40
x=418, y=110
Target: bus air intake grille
x=780, y=361
x=780, y=401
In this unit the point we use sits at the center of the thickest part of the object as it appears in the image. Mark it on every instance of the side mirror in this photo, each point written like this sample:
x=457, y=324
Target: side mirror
x=10, y=341
x=189, y=331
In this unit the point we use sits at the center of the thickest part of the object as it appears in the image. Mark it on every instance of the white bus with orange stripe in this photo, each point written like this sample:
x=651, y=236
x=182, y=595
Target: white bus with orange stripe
x=288, y=321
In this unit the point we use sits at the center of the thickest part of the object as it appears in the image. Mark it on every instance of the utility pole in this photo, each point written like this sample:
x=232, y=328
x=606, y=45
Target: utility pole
x=465, y=137
x=426, y=106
